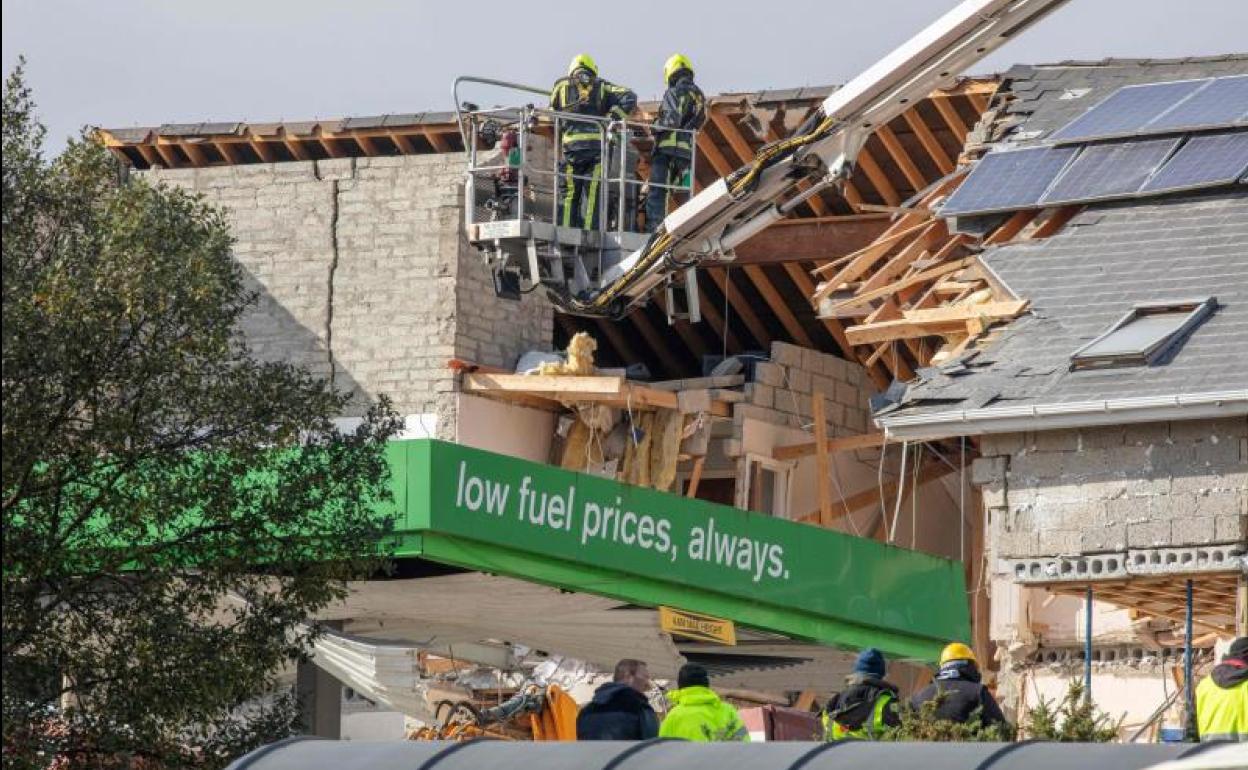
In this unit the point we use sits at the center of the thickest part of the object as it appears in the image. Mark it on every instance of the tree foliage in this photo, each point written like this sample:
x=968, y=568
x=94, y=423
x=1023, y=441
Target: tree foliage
x=922, y=724
x=173, y=508
x=1073, y=718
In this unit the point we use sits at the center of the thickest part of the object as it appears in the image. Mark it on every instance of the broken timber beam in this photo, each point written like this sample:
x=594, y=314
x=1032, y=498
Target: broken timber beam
x=934, y=321
x=841, y=444
x=558, y=388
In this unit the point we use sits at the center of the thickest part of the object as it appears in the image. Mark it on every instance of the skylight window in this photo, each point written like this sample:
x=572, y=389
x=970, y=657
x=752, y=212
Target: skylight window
x=1144, y=335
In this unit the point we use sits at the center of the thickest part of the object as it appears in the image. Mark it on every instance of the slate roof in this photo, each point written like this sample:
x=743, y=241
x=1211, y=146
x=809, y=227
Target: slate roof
x=1108, y=258
x=1048, y=96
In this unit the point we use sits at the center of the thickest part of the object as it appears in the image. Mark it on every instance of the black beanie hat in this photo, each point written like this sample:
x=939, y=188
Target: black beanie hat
x=692, y=675
x=1239, y=648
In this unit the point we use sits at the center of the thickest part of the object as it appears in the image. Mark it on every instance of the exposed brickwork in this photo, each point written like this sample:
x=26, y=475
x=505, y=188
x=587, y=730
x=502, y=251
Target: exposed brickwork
x=782, y=388
x=364, y=275
x=1108, y=489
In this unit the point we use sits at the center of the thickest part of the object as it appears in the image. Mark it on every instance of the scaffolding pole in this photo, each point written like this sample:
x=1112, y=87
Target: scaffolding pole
x=1189, y=705
x=1087, y=646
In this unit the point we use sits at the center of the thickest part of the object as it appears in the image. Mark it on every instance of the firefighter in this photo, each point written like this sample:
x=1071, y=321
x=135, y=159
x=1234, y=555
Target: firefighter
x=683, y=107
x=1222, y=697
x=963, y=693
x=868, y=704
x=697, y=712
x=584, y=93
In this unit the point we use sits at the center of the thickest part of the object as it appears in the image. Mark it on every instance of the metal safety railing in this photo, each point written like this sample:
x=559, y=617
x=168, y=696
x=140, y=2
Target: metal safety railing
x=618, y=189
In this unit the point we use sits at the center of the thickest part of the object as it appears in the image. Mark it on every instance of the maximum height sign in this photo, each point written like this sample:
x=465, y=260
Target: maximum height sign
x=695, y=625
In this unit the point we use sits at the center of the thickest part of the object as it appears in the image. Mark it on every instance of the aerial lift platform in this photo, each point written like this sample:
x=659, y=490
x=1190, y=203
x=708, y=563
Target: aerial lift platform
x=511, y=196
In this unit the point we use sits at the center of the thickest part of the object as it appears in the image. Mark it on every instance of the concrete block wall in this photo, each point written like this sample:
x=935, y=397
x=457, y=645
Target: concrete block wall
x=364, y=275
x=1113, y=488
x=781, y=391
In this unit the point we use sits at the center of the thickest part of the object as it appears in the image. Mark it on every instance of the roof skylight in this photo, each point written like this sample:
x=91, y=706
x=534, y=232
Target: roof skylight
x=1145, y=334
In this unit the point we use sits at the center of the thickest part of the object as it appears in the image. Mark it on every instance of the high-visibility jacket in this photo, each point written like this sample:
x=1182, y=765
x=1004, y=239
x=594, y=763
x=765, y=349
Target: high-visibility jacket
x=595, y=97
x=699, y=715
x=1222, y=703
x=684, y=107
x=882, y=715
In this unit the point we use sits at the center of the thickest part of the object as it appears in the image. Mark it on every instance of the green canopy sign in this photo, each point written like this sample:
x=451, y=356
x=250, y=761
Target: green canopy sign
x=512, y=517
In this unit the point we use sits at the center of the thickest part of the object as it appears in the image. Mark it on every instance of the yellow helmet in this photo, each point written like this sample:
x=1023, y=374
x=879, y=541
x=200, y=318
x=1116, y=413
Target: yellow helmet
x=957, y=651
x=675, y=63
x=583, y=60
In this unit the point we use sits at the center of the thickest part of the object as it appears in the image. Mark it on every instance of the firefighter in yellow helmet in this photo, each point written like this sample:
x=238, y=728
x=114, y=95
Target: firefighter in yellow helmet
x=1222, y=697
x=683, y=107
x=959, y=679
x=584, y=93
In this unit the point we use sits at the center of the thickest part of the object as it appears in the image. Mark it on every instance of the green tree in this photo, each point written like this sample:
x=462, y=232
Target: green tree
x=1073, y=718
x=922, y=724
x=173, y=508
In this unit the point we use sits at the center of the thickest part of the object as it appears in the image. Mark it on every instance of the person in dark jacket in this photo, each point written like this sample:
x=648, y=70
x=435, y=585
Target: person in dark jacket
x=619, y=710
x=867, y=706
x=583, y=92
x=683, y=107
x=959, y=680
x=1222, y=697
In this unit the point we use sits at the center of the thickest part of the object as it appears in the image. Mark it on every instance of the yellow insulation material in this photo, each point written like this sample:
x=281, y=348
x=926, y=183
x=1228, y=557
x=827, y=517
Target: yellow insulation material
x=580, y=357
x=665, y=448
x=581, y=448
x=637, y=454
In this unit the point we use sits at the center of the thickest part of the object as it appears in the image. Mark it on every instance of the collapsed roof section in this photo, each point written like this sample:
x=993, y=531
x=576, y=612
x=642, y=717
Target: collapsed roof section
x=924, y=293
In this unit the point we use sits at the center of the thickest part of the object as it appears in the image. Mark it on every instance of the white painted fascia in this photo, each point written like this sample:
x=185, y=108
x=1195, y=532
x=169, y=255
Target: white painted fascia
x=1015, y=419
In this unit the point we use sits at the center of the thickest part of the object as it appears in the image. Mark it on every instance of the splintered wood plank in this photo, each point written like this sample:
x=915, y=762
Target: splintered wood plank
x=552, y=383
x=933, y=321
x=893, y=288
x=904, y=258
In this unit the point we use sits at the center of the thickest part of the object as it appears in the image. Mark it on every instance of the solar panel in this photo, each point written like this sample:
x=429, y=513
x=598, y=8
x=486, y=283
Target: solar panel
x=1009, y=179
x=1109, y=170
x=1221, y=103
x=1127, y=110
x=1205, y=161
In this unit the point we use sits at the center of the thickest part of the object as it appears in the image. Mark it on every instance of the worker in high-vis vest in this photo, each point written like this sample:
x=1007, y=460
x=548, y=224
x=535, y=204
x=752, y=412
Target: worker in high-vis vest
x=683, y=107
x=1222, y=697
x=868, y=705
x=697, y=712
x=584, y=93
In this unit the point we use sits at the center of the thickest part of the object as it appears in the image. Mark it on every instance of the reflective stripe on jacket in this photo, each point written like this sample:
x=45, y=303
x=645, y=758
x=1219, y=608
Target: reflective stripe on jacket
x=684, y=107
x=598, y=98
x=868, y=730
x=1222, y=712
x=699, y=715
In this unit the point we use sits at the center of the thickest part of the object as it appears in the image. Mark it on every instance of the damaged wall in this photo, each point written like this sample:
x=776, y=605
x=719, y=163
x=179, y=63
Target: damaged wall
x=364, y=276
x=1117, y=487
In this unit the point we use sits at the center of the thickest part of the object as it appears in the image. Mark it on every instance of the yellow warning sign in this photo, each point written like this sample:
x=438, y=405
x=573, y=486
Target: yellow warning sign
x=697, y=626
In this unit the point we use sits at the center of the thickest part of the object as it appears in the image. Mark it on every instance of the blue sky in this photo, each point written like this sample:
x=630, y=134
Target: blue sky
x=146, y=62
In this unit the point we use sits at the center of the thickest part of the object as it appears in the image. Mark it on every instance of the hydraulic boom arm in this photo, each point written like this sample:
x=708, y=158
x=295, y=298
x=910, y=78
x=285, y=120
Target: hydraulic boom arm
x=739, y=206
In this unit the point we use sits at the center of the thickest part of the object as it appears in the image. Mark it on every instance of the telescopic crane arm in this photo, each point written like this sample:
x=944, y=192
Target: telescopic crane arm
x=706, y=228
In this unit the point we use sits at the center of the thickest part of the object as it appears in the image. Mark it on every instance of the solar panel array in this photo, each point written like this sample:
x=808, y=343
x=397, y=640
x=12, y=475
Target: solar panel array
x=1109, y=170
x=1157, y=108
x=1108, y=152
x=1204, y=161
x=1223, y=102
x=1008, y=179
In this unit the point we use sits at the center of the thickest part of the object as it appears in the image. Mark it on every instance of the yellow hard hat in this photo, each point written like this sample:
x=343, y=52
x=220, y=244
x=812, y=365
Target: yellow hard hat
x=957, y=651
x=583, y=60
x=675, y=63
